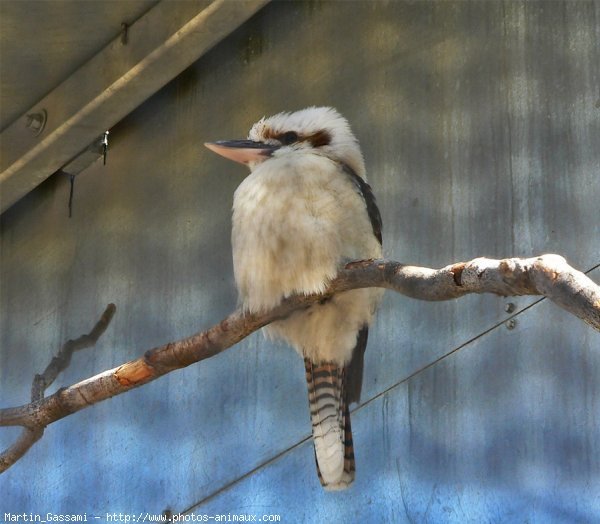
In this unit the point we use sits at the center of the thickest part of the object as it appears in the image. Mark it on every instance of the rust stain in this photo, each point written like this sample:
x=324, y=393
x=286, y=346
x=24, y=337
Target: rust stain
x=504, y=268
x=359, y=263
x=457, y=270
x=253, y=47
x=133, y=373
x=547, y=271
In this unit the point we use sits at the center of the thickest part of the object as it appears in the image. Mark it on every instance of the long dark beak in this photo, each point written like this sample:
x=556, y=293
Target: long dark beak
x=242, y=151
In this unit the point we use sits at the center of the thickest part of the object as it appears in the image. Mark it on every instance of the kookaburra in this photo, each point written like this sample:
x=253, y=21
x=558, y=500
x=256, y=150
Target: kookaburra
x=304, y=210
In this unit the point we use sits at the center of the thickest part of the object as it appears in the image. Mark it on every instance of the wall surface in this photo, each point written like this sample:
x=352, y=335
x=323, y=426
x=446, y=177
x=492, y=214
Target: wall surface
x=480, y=125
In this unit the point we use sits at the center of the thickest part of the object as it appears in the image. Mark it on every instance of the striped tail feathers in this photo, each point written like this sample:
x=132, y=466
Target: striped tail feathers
x=332, y=433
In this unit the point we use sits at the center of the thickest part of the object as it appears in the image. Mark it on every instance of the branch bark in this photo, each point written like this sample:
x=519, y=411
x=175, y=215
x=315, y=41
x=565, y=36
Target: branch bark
x=547, y=275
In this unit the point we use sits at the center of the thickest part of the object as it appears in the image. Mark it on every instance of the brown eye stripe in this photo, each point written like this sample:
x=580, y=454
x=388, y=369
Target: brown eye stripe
x=318, y=139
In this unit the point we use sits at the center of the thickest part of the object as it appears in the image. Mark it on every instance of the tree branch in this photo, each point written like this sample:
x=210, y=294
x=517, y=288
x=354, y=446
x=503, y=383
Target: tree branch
x=32, y=432
x=547, y=275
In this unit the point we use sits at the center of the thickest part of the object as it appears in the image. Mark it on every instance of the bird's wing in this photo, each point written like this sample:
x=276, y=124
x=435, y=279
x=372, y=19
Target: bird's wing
x=367, y=193
x=354, y=370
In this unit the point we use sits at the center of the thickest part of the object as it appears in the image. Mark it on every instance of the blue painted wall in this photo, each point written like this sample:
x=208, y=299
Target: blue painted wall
x=480, y=124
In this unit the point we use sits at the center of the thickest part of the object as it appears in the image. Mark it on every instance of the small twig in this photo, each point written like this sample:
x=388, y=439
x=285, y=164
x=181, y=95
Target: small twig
x=62, y=360
x=31, y=433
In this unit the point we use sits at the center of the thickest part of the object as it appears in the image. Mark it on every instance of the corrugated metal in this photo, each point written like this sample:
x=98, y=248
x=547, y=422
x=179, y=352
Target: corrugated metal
x=480, y=126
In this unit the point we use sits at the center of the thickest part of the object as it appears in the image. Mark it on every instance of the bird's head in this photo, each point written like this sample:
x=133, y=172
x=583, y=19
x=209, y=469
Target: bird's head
x=317, y=130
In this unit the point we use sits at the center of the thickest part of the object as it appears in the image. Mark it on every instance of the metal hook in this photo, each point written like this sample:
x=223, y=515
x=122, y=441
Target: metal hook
x=104, y=146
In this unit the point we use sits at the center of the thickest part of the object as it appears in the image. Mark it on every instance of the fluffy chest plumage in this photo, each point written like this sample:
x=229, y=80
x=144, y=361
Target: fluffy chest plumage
x=294, y=219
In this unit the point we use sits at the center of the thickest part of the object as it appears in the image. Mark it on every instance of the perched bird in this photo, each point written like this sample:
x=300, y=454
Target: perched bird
x=305, y=209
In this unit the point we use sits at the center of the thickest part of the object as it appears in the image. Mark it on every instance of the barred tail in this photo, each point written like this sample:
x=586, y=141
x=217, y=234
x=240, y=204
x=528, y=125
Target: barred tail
x=332, y=434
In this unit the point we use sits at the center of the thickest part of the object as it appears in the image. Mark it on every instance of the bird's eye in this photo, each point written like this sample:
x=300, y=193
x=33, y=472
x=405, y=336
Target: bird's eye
x=289, y=138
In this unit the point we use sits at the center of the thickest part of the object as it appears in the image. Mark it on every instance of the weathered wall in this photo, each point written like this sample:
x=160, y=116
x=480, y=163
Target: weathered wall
x=480, y=126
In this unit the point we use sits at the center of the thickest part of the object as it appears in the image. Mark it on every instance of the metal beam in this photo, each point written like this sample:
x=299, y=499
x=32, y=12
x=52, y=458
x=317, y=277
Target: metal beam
x=159, y=45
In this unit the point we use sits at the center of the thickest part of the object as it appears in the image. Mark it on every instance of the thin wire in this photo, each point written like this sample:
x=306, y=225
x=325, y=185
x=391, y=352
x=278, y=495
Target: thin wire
x=72, y=180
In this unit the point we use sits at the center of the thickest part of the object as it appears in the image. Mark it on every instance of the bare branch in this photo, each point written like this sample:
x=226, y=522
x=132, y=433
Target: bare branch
x=547, y=275
x=33, y=432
